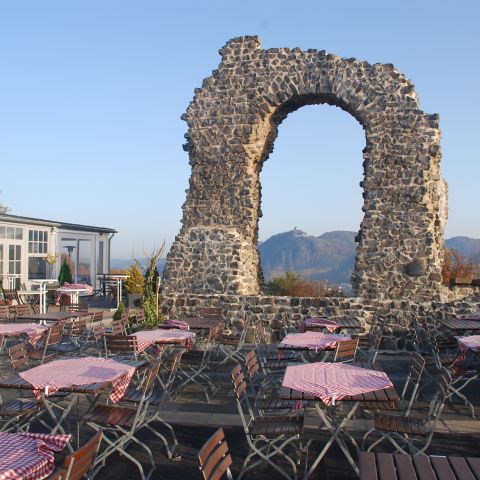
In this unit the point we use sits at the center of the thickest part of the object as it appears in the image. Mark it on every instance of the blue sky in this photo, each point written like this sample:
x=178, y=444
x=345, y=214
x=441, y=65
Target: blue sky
x=91, y=93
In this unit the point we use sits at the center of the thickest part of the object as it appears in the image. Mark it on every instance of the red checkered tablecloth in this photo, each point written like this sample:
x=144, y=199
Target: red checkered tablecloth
x=334, y=381
x=146, y=338
x=330, y=325
x=32, y=330
x=470, y=343
x=28, y=456
x=181, y=324
x=73, y=372
x=313, y=340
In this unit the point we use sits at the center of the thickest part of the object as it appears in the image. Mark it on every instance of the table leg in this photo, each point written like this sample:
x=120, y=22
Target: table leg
x=336, y=429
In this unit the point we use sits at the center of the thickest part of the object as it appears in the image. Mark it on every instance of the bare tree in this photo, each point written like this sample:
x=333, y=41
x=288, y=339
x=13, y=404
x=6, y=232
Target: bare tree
x=3, y=208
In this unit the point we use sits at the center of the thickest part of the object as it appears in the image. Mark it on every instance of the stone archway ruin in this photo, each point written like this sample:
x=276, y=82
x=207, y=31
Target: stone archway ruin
x=232, y=124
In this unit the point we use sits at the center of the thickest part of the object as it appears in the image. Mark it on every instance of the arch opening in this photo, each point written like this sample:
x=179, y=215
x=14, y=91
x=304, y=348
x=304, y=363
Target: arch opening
x=311, y=185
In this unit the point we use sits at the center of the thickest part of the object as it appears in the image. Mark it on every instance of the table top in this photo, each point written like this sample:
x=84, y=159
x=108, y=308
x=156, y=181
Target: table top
x=387, y=396
x=388, y=466
x=29, y=455
x=145, y=338
x=50, y=316
x=77, y=375
x=461, y=324
x=334, y=381
x=199, y=323
x=472, y=342
x=342, y=323
x=32, y=330
x=316, y=341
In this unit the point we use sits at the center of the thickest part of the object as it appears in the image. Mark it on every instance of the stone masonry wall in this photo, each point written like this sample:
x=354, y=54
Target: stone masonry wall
x=232, y=125
x=281, y=312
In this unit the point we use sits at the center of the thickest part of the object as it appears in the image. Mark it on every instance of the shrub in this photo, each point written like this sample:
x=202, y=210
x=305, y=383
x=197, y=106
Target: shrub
x=134, y=282
x=292, y=285
x=118, y=314
x=456, y=265
x=65, y=274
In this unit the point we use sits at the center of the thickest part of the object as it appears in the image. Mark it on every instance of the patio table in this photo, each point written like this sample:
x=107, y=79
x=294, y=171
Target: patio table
x=388, y=466
x=311, y=341
x=342, y=324
x=146, y=338
x=29, y=456
x=314, y=323
x=462, y=324
x=328, y=383
x=32, y=330
x=199, y=323
x=49, y=316
x=80, y=376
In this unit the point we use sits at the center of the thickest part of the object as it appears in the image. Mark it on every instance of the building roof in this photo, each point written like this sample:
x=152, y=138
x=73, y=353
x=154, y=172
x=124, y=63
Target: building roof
x=50, y=223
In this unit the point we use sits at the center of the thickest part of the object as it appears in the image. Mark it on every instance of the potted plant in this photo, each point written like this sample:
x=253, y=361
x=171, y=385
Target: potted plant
x=134, y=286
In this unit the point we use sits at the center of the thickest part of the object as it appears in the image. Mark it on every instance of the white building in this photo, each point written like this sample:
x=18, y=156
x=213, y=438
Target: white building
x=25, y=242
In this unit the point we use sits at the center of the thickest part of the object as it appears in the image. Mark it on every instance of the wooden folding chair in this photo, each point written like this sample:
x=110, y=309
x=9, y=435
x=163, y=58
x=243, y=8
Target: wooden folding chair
x=410, y=434
x=78, y=464
x=267, y=436
x=22, y=309
x=230, y=345
x=120, y=426
x=156, y=399
x=345, y=350
x=214, y=457
x=4, y=314
x=264, y=391
x=124, y=346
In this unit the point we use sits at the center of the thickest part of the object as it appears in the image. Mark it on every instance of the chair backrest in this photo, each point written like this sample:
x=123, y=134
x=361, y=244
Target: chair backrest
x=345, y=350
x=97, y=316
x=214, y=457
x=80, y=462
x=140, y=316
x=54, y=335
x=18, y=356
x=22, y=309
x=98, y=331
x=240, y=390
x=211, y=312
x=10, y=295
x=4, y=312
x=412, y=383
x=118, y=328
x=443, y=382
x=120, y=344
x=76, y=307
x=251, y=364
x=77, y=327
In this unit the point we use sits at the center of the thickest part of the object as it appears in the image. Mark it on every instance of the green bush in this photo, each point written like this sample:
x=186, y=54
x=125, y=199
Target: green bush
x=292, y=285
x=65, y=275
x=135, y=281
x=118, y=314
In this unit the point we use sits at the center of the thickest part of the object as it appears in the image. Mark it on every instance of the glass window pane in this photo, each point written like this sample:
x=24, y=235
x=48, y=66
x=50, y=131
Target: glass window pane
x=100, y=257
x=35, y=236
x=40, y=236
x=30, y=247
x=37, y=268
x=84, y=265
x=2, y=232
x=10, y=232
x=45, y=236
x=30, y=235
x=19, y=233
x=11, y=252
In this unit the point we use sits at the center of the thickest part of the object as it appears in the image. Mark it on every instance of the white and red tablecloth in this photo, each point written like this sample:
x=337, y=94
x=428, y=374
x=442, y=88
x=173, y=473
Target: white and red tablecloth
x=29, y=456
x=146, y=338
x=32, y=330
x=316, y=341
x=469, y=343
x=72, y=372
x=181, y=324
x=334, y=381
x=330, y=325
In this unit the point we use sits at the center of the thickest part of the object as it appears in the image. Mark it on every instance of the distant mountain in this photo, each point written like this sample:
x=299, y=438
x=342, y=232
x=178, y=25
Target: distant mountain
x=328, y=257
x=469, y=247
x=125, y=263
